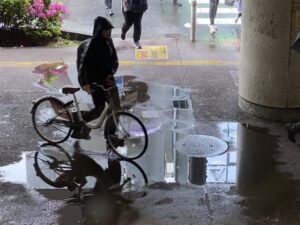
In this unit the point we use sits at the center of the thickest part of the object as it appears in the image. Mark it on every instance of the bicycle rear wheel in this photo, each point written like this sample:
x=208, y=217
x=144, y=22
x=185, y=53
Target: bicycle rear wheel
x=53, y=165
x=129, y=138
x=49, y=118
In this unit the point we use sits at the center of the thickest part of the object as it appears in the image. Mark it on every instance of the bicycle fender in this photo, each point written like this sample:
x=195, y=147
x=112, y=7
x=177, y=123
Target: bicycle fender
x=35, y=102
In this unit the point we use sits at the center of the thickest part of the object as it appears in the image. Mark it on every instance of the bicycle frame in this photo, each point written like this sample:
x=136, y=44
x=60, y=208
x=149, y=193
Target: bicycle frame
x=96, y=123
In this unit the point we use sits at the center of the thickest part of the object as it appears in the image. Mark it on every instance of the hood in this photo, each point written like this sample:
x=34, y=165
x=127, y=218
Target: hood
x=100, y=24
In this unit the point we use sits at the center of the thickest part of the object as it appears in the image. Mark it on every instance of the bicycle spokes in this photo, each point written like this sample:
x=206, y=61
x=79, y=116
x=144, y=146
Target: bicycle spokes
x=52, y=124
x=129, y=138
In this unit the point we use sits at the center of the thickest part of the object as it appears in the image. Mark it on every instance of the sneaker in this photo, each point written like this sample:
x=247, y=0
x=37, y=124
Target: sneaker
x=123, y=35
x=137, y=45
x=123, y=150
x=177, y=3
x=212, y=29
x=117, y=142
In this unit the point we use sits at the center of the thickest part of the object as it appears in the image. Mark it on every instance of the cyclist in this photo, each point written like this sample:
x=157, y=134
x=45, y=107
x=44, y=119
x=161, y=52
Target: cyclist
x=83, y=166
x=97, y=62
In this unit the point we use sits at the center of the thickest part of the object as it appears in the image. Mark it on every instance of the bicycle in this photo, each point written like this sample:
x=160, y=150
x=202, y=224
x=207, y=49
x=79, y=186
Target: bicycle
x=115, y=188
x=59, y=169
x=54, y=121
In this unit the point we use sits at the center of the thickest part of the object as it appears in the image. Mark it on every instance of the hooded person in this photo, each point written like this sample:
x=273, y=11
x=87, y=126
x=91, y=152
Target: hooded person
x=97, y=62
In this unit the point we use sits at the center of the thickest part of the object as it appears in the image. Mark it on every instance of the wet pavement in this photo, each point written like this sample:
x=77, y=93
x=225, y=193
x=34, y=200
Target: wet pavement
x=258, y=184
x=199, y=172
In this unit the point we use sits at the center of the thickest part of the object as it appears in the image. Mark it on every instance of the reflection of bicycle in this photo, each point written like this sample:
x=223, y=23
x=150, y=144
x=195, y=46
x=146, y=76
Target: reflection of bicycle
x=58, y=169
x=54, y=121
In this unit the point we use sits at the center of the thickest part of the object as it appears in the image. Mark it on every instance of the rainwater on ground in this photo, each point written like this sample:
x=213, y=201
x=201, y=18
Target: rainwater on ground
x=202, y=170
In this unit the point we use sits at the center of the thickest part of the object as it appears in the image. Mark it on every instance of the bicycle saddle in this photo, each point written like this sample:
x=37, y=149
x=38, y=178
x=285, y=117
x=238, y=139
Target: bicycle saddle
x=69, y=90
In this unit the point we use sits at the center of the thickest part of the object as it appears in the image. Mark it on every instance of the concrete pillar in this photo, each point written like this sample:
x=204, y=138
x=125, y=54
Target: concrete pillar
x=269, y=85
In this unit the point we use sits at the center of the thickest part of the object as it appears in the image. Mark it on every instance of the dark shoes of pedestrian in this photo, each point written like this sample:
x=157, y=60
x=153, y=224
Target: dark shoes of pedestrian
x=81, y=133
x=137, y=45
x=110, y=13
x=177, y=3
x=123, y=36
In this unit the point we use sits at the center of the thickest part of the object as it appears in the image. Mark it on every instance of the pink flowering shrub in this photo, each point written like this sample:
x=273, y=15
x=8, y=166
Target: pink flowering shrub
x=32, y=21
x=45, y=15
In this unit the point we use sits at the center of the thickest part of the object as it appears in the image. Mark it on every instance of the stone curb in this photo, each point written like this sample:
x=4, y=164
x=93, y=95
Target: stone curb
x=74, y=36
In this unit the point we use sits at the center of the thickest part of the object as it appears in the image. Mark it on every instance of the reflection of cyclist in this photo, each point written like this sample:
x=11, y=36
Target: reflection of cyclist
x=97, y=62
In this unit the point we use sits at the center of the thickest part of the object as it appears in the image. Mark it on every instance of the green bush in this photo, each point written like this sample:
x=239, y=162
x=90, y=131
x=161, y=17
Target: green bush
x=13, y=14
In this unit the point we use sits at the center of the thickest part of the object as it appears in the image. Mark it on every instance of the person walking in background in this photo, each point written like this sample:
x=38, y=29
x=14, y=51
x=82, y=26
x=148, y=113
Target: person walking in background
x=213, y=7
x=108, y=5
x=239, y=9
x=133, y=11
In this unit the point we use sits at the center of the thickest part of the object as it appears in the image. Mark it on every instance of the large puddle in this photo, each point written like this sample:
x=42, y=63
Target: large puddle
x=241, y=155
x=174, y=148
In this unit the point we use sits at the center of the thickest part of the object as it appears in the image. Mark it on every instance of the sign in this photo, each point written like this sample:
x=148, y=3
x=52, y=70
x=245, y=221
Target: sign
x=152, y=52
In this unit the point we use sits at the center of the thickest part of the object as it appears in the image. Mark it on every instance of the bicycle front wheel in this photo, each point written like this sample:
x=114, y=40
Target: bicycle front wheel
x=49, y=118
x=53, y=165
x=133, y=177
x=127, y=136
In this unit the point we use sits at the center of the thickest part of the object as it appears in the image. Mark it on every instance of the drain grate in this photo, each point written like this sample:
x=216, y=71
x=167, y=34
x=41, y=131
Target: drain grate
x=201, y=145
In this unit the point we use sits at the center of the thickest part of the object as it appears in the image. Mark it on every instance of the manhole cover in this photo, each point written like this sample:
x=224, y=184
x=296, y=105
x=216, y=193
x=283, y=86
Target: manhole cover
x=201, y=145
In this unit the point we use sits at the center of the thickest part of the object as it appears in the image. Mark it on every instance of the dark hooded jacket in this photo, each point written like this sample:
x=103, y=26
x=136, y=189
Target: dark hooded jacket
x=96, y=56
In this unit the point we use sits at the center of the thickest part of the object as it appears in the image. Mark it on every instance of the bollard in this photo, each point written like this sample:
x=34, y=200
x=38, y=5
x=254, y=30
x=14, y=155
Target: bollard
x=193, y=20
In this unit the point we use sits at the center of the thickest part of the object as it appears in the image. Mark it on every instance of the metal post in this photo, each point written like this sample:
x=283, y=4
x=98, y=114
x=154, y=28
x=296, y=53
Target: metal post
x=193, y=20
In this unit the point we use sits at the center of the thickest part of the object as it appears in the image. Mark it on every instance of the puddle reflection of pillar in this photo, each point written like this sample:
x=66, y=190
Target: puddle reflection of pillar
x=197, y=170
x=267, y=191
x=255, y=159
